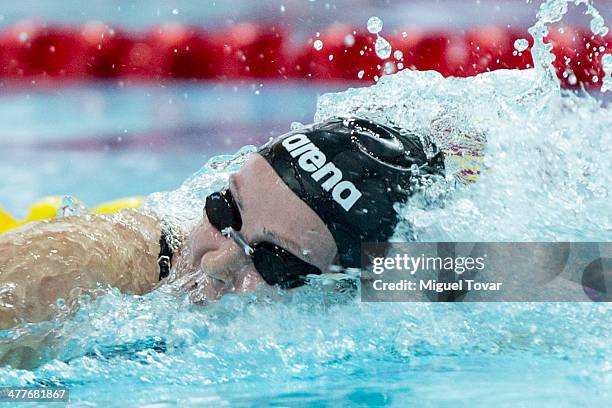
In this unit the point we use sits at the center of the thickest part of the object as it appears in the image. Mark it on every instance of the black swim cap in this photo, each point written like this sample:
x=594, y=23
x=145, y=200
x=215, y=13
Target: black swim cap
x=351, y=172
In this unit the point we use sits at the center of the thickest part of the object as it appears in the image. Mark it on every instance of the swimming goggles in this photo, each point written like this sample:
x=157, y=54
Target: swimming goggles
x=276, y=265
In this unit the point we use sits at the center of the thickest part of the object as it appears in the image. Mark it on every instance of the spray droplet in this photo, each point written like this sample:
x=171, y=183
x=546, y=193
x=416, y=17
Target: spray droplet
x=383, y=48
x=175, y=12
x=521, y=44
x=398, y=55
x=375, y=25
x=404, y=34
x=349, y=40
x=331, y=57
x=400, y=66
x=360, y=74
x=282, y=8
x=595, y=79
x=23, y=36
x=572, y=80
x=389, y=67
x=318, y=45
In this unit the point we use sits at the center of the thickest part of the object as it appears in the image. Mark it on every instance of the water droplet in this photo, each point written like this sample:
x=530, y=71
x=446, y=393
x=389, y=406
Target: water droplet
x=389, y=67
x=400, y=66
x=360, y=74
x=296, y=125
x=521, y=44
x=23, y=36
x=398, y=55
x=349, y=40
x=595, y=79
x=175, y=12
x=383, y=48
x=318, y=45
x=404, y=34
x=572, y=80
x=282, y=8
x=331, y=57
x=375, y=25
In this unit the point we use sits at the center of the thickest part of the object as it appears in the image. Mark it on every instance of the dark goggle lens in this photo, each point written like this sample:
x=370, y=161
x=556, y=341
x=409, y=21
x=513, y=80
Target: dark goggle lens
x=279, y=267
x=222, y=211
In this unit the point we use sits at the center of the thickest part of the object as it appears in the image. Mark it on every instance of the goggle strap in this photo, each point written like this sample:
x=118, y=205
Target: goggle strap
x=239, y=239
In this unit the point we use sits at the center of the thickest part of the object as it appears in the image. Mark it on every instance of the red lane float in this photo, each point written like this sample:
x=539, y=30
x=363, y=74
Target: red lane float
x=106, y=50
x=251, y=51
x=171, y=51
x=29, y=49
x=492, y=48
x=35, y=52
x=578, y=55
x=346, y=54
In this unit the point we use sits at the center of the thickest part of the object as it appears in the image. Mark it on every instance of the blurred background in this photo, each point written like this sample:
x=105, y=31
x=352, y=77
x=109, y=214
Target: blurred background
x=107, y=99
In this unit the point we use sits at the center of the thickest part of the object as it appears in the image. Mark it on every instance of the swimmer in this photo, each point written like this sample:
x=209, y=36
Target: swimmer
x=301, y=205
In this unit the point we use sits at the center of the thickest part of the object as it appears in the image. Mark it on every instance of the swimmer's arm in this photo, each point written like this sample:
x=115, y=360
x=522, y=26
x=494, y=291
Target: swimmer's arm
x=64, y=257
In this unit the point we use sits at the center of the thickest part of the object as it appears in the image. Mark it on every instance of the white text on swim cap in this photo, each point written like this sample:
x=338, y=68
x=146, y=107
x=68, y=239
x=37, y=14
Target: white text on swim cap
x=312, y=160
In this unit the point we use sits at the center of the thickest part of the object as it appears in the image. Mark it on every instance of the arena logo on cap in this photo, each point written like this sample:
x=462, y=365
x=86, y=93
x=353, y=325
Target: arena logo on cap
x=313, y=160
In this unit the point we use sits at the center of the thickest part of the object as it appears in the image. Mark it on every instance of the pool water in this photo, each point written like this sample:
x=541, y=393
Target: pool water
x=546, y=176
x=105, y=142
x=305, y=349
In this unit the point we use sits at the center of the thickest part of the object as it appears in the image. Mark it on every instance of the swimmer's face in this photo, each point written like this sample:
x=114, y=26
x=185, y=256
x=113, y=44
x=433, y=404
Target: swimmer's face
x=270, y=212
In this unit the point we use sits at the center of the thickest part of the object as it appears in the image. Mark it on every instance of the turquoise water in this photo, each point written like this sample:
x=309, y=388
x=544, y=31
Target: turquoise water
x=104, y=142
x=547, y=178
x=304, y=348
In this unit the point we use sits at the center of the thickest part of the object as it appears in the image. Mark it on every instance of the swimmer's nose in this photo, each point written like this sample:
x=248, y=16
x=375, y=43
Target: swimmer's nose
x=205, y=238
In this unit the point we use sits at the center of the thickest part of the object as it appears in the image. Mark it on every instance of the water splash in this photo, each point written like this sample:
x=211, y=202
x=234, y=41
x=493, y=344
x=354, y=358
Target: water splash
x=539, y=154
x=181, y=209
